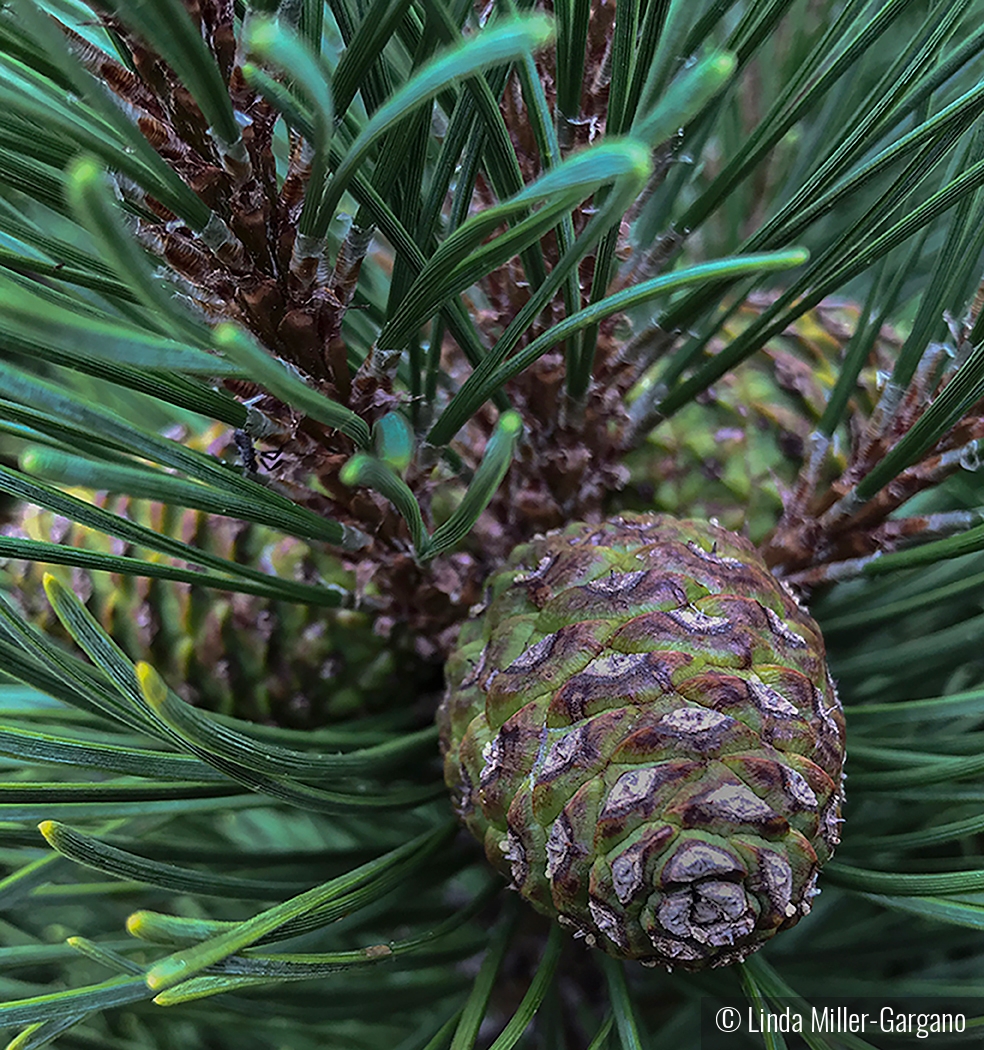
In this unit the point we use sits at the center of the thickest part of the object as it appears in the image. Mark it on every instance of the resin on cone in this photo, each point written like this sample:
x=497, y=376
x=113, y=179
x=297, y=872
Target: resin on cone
x=641, y=729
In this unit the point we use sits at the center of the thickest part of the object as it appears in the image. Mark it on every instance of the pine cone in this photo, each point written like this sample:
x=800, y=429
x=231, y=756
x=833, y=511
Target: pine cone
x=293, y=665
x=733, y=454
x=642, y=730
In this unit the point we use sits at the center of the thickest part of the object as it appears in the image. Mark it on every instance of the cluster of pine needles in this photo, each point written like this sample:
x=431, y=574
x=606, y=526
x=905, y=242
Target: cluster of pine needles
x=316, y=269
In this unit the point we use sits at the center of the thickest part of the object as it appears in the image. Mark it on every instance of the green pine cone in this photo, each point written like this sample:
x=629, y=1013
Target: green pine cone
x=642, y=730
x=243, y=655
x=733, y=454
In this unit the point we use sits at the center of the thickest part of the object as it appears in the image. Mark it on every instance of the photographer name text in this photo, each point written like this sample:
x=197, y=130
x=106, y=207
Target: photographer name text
x=841, y=1020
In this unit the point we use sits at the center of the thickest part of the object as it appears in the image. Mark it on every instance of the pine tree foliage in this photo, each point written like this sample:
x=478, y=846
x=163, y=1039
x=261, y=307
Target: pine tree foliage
x=311, y=312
